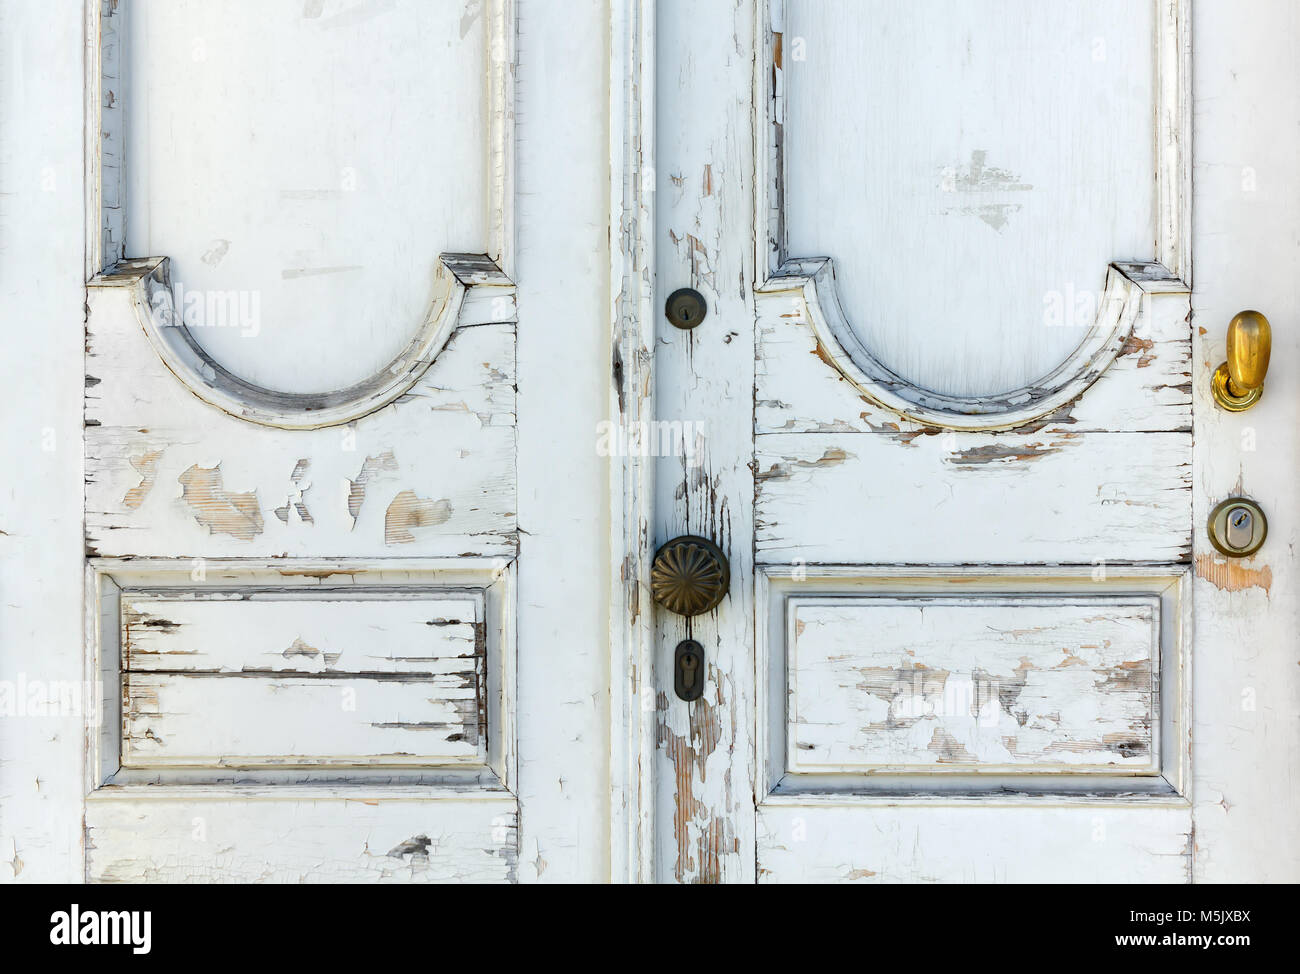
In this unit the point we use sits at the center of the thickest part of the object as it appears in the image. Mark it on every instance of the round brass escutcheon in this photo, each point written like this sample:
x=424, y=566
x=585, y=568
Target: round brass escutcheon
x=686, y=308
x=1237, y=527
x=1224, y=396
x=690, y=575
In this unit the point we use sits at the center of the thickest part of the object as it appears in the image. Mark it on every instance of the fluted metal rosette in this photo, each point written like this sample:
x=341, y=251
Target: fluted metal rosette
x=690, y=575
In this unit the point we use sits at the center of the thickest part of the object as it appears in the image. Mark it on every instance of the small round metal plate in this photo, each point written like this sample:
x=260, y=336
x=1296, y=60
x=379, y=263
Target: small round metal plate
x=1237, y=527
x=686, y=308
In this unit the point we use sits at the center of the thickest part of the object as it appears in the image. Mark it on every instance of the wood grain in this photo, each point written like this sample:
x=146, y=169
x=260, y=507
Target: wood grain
x=922, y=684
x=1082, y=498
x=368, y=838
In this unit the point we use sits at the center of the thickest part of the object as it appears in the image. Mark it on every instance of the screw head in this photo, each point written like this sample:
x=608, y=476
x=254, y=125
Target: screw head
x=686, y=308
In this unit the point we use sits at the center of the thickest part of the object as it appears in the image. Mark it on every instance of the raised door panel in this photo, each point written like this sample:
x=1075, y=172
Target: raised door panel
x=301, y=497
x=937, y=684
x=331, y=680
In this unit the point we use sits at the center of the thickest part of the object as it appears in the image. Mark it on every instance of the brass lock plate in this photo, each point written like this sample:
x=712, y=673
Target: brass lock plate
x=688, y=670
x=1237, y=527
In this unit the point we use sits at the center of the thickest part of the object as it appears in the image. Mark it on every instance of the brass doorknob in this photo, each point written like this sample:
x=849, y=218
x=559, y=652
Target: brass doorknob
x=690, y=575
x=1239, y=382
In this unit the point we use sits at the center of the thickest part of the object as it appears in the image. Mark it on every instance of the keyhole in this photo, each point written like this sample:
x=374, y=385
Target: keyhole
x=682, y=305
x=689, y=665
x=1241, y=528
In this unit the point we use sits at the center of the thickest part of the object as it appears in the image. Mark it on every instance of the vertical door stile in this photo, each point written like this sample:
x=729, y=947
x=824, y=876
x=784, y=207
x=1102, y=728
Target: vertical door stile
x=632, y=407
x=704, y=381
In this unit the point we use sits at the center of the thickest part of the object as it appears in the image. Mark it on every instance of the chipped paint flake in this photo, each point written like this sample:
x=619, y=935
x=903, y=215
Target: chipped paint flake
x=146, y=465
x=1230, y=575
x=407, y=512
x=372, y=467
x=294, y=503
x=219, y=510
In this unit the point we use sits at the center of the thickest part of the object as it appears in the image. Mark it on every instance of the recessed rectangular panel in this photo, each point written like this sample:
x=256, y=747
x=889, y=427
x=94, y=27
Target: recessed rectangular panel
x=1005, y=684
x=264, y=680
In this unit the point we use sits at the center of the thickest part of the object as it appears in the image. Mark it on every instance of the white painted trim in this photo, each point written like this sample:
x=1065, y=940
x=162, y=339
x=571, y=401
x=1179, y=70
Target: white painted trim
x=502, y=62
x=149, y=280
x=814, y=281
x=815, y=277
x=631, y=402
x=1174, y=137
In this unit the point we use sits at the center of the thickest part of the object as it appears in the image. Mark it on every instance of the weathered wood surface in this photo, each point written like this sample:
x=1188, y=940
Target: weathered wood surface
x=703, y=167
x=42, y=296
x=1030, y=685
x=975, y=841
x=319, y=635
x=907, y=159
x=237, y=683
x=995, y=498
x=1148, y=388
x=1246, y=210
x=285, y=720
x=168, y=474
x=630, y=403
x=315, y=192
x=1247, y=207
x=258, y=839
x=1100, y=479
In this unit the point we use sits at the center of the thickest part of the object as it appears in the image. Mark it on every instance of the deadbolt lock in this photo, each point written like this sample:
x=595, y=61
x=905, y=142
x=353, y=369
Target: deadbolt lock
x=686, y=308
x=1237, y=527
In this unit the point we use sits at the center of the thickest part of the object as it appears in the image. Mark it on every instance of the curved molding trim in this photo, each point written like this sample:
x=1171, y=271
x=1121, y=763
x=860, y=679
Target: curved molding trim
x=839, y=345
x=1170, y=272
x=178, y=349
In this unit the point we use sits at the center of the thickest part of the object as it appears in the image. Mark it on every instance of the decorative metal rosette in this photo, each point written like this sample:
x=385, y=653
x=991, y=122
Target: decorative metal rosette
x=690, y=575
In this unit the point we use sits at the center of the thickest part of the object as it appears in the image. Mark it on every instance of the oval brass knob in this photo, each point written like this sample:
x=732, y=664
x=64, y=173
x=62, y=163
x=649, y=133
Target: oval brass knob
x=1239, y=382
x=690, y=575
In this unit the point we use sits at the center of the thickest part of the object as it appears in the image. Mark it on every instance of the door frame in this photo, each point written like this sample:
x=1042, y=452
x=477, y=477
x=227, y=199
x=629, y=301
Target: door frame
x=632, y=318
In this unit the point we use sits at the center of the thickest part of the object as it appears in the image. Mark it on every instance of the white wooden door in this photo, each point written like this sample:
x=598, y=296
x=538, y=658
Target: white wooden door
x=345, y=423
x=339, y=620
x=958, y=442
